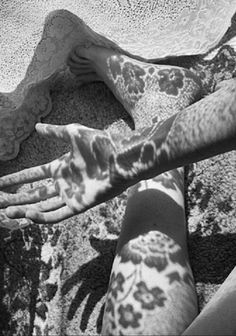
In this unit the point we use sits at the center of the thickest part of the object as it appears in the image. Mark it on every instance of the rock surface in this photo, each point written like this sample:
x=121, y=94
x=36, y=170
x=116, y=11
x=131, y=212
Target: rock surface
x=53, y=279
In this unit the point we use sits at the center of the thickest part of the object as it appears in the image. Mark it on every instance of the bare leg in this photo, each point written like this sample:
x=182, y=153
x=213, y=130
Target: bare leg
x=30, y=101
x=151, y=288
x=145, y=90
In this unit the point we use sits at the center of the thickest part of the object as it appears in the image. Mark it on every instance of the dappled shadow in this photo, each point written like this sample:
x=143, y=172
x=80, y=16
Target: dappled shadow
x=93, y=278
x=212, y=258
x=92, y=105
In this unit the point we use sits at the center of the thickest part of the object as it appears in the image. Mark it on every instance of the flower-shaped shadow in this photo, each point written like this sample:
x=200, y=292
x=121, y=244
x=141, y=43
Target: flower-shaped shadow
x=94, y=278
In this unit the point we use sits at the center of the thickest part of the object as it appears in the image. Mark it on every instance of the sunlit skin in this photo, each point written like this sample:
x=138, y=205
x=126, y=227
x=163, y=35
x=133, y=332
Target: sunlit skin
x=204, y=129
x=90, y=161
x=172, y=87
x=132, y=82
x=178, y=120
x=158, y=148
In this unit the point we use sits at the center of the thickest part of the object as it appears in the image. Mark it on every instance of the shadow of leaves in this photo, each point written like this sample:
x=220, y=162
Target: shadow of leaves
x=93, y=278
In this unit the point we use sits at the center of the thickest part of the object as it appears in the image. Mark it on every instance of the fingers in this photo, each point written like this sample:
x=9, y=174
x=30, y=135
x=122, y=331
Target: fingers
x=48, y=205
x=32, y=174
x=51, y=204
x=13, y=224
x=75, y=58
x=50, y=217
x=28, y=197
x=57, y=131
x=26, y=176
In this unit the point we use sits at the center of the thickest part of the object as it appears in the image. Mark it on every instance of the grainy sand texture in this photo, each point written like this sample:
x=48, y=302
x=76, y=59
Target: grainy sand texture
x=54, y=278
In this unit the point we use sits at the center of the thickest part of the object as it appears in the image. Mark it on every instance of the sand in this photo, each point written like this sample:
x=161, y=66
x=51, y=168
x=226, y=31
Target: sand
x=54, y=278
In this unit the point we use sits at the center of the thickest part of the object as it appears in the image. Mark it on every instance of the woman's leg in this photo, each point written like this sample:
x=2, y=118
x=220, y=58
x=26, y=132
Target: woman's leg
x=22, y=108
x=151, y=290
x=146, y=90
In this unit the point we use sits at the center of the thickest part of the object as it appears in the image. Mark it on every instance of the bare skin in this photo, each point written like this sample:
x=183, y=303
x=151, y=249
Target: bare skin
x=137, y=84
x=139, y=290
x=203, y=129
x=110, y=164
x=172, y=88
x=101, y=160
x=22, y=108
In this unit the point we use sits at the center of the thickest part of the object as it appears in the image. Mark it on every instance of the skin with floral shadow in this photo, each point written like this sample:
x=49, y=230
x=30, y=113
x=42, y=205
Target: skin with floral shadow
x=151, y=274
x=151, y=288
x=22, y=108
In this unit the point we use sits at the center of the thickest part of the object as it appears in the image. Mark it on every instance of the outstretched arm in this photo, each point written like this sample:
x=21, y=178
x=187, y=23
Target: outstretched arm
x=101, y=165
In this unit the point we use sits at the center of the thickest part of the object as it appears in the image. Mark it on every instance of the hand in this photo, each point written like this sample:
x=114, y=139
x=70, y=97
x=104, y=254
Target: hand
x=12, y=224
x=101, y=165
x=81, y=178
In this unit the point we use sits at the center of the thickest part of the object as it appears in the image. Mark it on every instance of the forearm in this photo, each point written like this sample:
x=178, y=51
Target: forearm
x=111, y=164
x=202, y=130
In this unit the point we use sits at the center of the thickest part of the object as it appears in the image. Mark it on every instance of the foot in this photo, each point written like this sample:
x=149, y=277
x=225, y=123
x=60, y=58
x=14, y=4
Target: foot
x=22, y=108
x=12, y=224
x=140, y=87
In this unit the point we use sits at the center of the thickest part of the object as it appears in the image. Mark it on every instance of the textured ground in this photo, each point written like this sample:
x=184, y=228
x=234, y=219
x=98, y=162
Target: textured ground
x=56, y=277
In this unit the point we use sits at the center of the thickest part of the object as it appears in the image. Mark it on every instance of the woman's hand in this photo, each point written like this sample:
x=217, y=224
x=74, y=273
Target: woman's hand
x=101, y=165
x=81, y=178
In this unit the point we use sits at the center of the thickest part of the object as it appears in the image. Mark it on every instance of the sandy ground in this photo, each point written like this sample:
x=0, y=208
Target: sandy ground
x=55, y=278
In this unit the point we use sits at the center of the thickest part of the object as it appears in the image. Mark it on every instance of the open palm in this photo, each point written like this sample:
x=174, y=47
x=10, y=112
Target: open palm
x=101, y=165
x=81, y=177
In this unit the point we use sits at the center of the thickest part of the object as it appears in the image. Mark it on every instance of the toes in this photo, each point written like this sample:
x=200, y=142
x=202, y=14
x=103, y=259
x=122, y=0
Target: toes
x=88, y=78
x=13, y=224
x=74, y=60
x=82, y=68
x=79, y=55
x=50, y=217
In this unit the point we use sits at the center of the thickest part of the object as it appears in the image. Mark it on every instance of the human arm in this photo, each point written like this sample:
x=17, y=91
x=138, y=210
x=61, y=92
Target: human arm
x=101, y=164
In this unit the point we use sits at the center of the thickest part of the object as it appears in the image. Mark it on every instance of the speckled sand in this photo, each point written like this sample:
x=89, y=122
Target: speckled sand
x=81, y=249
